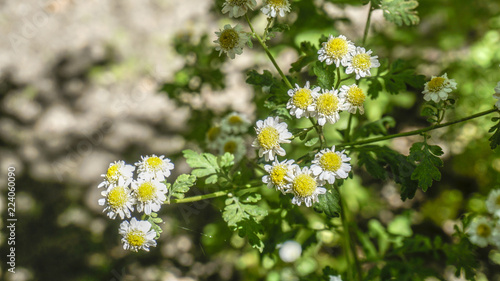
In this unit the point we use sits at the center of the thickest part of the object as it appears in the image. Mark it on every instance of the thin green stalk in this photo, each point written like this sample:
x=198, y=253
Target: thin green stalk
x=319, y=130
x=338, y=78
x=347, y=133
x=367, y=25
x=419, y=131
x=270, y=22
x=211, y=195
x=350, y=247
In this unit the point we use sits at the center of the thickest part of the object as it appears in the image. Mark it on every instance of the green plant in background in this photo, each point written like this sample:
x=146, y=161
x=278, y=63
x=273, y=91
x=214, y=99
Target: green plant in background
x=311, y=145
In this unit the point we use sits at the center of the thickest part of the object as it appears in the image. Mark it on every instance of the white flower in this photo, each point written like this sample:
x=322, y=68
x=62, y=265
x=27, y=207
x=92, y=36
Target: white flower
x=328, y=106
x=277, y=172
x=335, y=278
x=360, y=62
x=304, y=186
x=270, y=134
x=336, y=50
x=154, y=167
x=234, y=145
x=231, y=40
x=329, y=165
x=212, y=136
x=274, y=7
x=290, y=251
x=117, y=199
x=301, y=102
x=497, y=95
x=149, y=194
x=353, y=97
x=137, y=235
x=238, y=8
x=115, y=171
x=493, y=202
x=481, y=232
x=438, y=88
x=235, y=123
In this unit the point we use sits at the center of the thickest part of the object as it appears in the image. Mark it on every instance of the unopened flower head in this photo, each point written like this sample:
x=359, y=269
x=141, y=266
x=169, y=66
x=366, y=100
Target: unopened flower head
x=329, y=165
x=234, y=145
x=328, y=106
x=360, y=62
x=154, y=167
x=497, y=95
x=304, y=186
x=336, y=50
x=149, y=195
x=481, y=232
x=117, y=199
x=235, y=123
x=231, y=40
x=270, y=134
x=354, y=98
x=301, y=102
x=493, y=202
x=115, y=171
x=277, y=173
x=273, y=8
x=137, y=235
x=438, y=88
x=238, y=8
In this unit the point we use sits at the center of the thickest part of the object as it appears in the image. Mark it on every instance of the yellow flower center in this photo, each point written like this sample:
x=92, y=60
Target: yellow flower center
x=362, y=62
x=327, y=104
x=355, y=95
x=155, y=163
x=237, y=2
x=112, y=171
x=268, y=138
x=436, y=84
x=230, y=147
x=336, y=48
x=213, y=133
x=277, y=174
x=330, y=161
x=277, y=3
x=146, y=191
x=235, y=120
x=302, y=98
x=483, y=230
x=229, y=39
x=304, y=185
x=117, y=197
x=136, y=238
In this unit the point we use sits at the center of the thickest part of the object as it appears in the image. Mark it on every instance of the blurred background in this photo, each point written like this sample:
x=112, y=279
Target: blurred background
x=85, y=83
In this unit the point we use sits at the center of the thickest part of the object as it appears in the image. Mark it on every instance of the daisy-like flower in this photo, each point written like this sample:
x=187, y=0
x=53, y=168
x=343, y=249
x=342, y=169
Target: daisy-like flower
x=238, y=8
x=328, y=105
x=304, y=186
x=115, y=171
x=329, y=165
x=231, y=40
x=497, y=95
x=154, y=167
x=118, y=200
x=301, y=102
x=137, y=235
x=212, y=136
x=438, y=88
x=235, y=123
x=481, y=232
x=336, y=50
x=149, y=195
x=360, y=61
x=277, y=173
x=234, y=145
x=353, y=97
x=493, y=202
x=270, y=134
x=274, y=7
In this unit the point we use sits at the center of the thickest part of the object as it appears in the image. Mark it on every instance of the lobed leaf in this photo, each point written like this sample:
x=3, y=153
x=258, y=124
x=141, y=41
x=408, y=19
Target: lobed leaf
x=181, y=186
x=495, y=138
x=427, y=168
x=329, y=203
x=400, y=12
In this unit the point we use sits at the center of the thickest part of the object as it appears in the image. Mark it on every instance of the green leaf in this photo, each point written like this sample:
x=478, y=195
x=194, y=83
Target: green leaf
x=375, y=87
x=373, y=167
x=154, y=220
x=400, y=76
x=181, y=186
x=311, y=142
x=426, y=170
x=207, y=164
x=329, y=203
x=250, y=228
x=240, y=208
x=400, y=11
x=378, y=127
x=309, y=54
x=264, y=79
x=325, y=74
x=495, y=138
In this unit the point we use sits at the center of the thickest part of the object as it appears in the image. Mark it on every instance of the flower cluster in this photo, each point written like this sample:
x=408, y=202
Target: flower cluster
x=486, y=230
x=226, y=136
x=146, y=193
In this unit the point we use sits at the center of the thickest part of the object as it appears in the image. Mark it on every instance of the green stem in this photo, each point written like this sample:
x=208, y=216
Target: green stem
x=367, y=25
x=319, y=130
x=347, y=136
x=338, y=78
x=350, y=247
x=270, y=22
x=417, y=132
x=212, y=195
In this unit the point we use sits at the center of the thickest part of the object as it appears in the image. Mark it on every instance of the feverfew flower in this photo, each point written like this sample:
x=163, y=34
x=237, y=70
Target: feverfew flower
x=231, y=40
x=335, y=278
x=290, y=251
x=497, y=95
x=212, y=136
x=493, y=202
x=234, y=145
x=270, y=134
x=438, y=88
x=137, y=235
x=301, y=102
x=117, y=199
x=336, y=50
x=154, y=167
x=277, y=172
x=360, y=61
x=353, y=97
x=481, y=232
x=328, y=106
x=329, y=165
x=115, y=171
x=235, y=123
x=304, y=186
x=238, y=8
x=274, y=7
x=149, y=194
